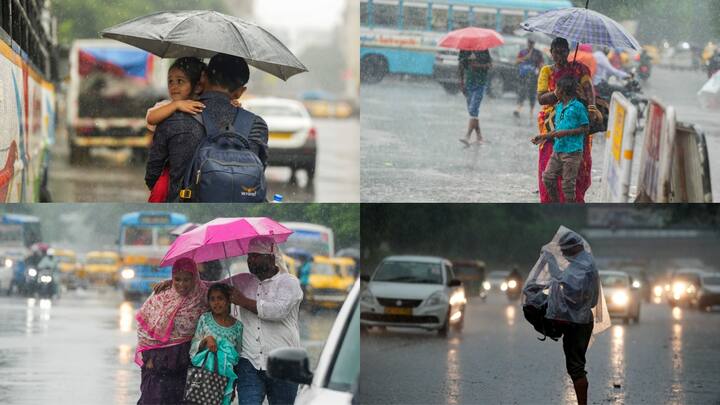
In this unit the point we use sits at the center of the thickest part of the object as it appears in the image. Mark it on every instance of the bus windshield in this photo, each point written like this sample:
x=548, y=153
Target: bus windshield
x=11, y=235
x=315, y=239
x=138, y=236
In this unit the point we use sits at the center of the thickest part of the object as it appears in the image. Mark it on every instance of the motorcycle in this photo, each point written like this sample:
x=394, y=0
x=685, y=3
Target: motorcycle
x=643, y=71
x=47, y=283
x=514, y=289
x=630, y=88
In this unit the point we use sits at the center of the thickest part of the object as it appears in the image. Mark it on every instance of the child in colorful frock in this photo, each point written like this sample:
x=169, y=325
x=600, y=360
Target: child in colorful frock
x=218, y=332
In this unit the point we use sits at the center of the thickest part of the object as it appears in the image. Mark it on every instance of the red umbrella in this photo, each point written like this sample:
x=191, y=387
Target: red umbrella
x=471, y=39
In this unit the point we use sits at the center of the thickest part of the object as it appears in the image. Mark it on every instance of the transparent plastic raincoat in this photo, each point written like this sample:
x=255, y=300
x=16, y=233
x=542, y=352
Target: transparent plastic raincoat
x=569, y=286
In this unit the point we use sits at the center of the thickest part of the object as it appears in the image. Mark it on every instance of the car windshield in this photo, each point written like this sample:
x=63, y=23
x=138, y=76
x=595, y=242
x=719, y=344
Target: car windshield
x=409, y=272
x=66, y=259
x=613, y=280
x=275, y=111
x=499, y=274
x=714, y=280
x=688, y=278
x=102, y=260
x=326, y=269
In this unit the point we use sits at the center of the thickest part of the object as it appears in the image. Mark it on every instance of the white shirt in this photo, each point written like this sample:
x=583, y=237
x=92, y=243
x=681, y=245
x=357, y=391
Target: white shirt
x=605, y=69
x=276, y=323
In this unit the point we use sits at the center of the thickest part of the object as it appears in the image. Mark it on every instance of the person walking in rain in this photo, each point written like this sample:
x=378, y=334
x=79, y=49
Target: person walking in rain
x=529, y=62
x=473, y=70
x=573, y=293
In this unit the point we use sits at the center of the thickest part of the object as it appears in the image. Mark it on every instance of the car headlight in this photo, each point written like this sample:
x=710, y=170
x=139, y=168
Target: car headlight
x=691, y=289
x=8, y=262
x=32, y=272
x=437, y=298
x=678, y=289
x=503, y=286
x=512, y=284
x=458, y=298
x=367, y=297
x=45, y=279
x=486, y=285
x=127, y=274
x=658, y=290
x=620, y=298
x=636, y=284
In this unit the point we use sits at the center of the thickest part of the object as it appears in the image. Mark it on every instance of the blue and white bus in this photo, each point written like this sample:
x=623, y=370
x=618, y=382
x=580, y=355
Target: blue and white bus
x=144, y=240
x=401, y=36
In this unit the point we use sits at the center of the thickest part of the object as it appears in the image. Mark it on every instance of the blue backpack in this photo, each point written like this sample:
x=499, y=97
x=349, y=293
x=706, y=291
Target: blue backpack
x=223, y=168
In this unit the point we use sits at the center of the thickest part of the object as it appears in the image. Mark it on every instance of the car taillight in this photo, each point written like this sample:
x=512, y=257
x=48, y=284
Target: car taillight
x=312, y=134
x=85, y=130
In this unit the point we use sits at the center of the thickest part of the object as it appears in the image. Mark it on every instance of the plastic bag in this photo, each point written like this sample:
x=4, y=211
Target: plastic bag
x=539, y=280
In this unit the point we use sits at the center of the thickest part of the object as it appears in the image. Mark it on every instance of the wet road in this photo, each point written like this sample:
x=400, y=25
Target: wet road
x=111, y=176
x=80, y=349
x=410, y=149
x=670, y=357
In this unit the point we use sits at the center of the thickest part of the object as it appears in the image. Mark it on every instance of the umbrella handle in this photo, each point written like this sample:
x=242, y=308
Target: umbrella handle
x=587, y=2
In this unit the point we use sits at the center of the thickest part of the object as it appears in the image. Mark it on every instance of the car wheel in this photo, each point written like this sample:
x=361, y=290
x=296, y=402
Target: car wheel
x=372, y=69
x=496, y=86
x=443, y=331
x=78, y=154
x=310, y=170
x=451, y=88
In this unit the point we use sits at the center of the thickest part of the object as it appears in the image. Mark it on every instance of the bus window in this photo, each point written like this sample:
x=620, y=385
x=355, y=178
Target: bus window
x=461, y=17
x=385, y=15
x=484, y=18
x=164, y=239
x=440, y=18
x=138, y=236
x=415, y=16
x=363, y=13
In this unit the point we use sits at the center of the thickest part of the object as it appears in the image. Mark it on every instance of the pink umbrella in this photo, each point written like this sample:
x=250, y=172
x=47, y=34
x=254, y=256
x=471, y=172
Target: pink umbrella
x=471, y=39
x=222, y=238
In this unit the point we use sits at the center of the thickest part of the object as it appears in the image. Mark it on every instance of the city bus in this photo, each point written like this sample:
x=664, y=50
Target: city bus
x=28, y=65
x=318, y=240
x=143, y=241
x=401, y=36
x=17, y=234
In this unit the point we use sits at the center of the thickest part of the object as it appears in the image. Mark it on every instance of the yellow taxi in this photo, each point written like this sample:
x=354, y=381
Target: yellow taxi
x=67, y=260
x=102, y=266
x=329, y=281
x=292, y=265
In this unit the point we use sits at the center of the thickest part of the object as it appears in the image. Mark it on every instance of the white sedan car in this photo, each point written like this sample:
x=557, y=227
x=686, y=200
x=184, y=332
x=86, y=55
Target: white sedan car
x=335, y=379
x=414, y=291
x=292, y=134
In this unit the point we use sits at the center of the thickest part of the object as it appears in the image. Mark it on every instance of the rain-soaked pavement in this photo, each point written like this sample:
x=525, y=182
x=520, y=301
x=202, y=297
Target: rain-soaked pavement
x=111, y=176
x=669, y=357
x=410, y=149
x=79, y=349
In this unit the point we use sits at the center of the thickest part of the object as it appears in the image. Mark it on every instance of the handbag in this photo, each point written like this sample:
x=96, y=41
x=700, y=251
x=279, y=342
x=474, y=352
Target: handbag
x=203, y=386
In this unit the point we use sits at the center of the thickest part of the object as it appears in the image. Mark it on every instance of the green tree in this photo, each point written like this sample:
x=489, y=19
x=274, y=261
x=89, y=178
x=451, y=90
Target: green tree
x=86, y=18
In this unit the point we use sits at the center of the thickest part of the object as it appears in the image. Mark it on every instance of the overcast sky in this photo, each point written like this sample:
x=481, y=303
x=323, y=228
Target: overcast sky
x=297, y=15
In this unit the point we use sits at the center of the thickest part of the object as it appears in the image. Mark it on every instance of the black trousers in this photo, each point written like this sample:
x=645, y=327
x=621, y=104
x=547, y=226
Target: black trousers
x=576, y=337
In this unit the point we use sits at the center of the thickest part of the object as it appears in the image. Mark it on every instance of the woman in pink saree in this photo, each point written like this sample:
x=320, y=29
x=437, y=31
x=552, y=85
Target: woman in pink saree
x=166, y=325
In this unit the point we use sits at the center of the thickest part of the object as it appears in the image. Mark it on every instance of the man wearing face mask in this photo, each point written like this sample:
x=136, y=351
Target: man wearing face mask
x=269, y=301
x=573, y=293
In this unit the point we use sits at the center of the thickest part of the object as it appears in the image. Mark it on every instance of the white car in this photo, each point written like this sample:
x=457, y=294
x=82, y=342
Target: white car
x=622, y=297
x=496, y=281
x=414, y=291
x=335, y=379
x=292, y=134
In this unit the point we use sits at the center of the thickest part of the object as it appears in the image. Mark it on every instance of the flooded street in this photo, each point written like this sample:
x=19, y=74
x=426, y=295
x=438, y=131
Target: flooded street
x=670, y=356
x=80, y=348
x=411, y=152
x=111, y=175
